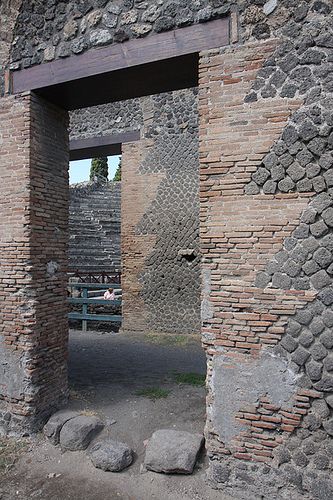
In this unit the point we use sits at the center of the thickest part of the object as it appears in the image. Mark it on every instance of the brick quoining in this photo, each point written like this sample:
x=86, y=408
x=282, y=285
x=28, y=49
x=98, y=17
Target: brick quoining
x=265, y=152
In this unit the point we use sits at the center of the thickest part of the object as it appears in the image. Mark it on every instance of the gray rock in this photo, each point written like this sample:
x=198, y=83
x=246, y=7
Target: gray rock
x=301, y=232
x=325, y=384
x=317, y=326
x=329, y=400
x=172, y=451
x=269, y=187
x=286, y=159
x=290, y=243
x=262, y=280
x=318, y=229
x=328, y=176
x=111, y=455
x=300, y=356
x=288, y=343
x=308, y=216
x=293, y=328
x=78, y=432
x=328, y=216
x=300, y=459
x=304, y=316
x=306, y=338
x=54, y=425
x=319, y=407
x=326, y=160
x=328, y=426
x=326, y=338
x=260, y=176
x=312, y=170
x=278, y=173
x=292, y=268
x=304, y=157
x=308, y=131
x=304, y=186
x=314, y=370
x=281, y=281
x=270, y=160
x=310, y=267
x=322, y=256
x=252, y=188
x=318, y=184
x=327, y=318
x=320, y=279
x=318, y=351
x=295, y=171
x=286, y=184
x=321, y=202
x=326, y=296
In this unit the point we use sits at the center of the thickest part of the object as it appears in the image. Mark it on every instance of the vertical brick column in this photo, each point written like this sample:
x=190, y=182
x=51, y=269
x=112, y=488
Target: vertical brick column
x=137, y=193
x=33, y=261
x=253, y=402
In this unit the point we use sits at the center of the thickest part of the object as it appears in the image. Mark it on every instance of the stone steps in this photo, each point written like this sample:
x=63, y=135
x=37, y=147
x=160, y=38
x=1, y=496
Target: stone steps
x=94, y=222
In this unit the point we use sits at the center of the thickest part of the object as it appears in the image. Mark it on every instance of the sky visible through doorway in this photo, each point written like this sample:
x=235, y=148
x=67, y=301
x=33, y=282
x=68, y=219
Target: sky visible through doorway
x=79, y=170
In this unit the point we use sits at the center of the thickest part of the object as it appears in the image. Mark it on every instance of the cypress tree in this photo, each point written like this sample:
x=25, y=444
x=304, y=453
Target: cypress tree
x=117, y=175
x=99, y=168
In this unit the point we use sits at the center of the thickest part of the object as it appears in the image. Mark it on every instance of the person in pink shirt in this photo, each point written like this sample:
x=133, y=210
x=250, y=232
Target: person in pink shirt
x=109, y=294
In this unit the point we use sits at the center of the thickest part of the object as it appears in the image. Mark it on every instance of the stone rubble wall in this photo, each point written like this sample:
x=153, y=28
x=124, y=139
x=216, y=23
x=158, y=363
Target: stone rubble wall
x=52, y=29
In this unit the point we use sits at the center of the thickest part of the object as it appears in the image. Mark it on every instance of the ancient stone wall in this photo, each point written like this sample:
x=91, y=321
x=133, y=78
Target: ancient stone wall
x=266, y=203
x=265, y=223
x=48, y=30
x=166, y=218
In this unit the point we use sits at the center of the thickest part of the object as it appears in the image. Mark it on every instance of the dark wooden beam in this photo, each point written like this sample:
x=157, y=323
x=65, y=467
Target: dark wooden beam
x=128, y=54
x=148, y=79
x=106, y=145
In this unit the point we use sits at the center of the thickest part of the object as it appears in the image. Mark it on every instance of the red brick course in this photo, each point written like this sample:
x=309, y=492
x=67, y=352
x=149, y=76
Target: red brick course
x=239, y=236
x=33, y=240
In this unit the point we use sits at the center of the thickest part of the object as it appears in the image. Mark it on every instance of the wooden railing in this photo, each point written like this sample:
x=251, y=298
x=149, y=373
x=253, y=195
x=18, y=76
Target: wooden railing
x=85, y=301
x=95, y=276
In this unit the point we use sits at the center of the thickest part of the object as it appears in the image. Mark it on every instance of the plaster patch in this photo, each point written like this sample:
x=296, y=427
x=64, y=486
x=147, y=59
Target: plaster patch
x=207, y=310
x=237, y=384
x=11, y=373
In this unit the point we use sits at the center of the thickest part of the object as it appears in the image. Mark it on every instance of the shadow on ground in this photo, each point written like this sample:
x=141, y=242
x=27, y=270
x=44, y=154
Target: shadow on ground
x=117, y=377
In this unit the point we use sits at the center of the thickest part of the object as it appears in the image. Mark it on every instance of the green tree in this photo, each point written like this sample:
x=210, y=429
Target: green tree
x=117, y=175
x=99, y=168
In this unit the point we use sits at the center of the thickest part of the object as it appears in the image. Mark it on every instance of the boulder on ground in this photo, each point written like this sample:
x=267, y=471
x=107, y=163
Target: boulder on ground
x=111, y=455
x=78, y=432
x=171, y=451
x=56, y=422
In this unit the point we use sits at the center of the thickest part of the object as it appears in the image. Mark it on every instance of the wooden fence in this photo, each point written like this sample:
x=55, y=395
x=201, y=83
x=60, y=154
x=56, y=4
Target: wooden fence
x=85, y=301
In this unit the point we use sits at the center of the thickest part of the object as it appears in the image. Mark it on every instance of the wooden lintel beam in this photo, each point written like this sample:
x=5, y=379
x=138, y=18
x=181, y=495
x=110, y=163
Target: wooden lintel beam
x=153, y=48
x=105, y=145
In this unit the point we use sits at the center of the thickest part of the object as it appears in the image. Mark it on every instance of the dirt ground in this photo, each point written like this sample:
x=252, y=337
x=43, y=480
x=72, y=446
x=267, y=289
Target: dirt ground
x=107, y=372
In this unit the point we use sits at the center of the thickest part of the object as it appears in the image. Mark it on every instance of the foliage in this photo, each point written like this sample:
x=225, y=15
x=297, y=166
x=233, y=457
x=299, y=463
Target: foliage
x=117, y=175
x=10, y=452
x=153, y=393
x=196, y=379
x=99, y=168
